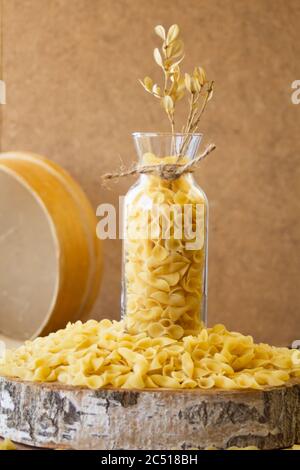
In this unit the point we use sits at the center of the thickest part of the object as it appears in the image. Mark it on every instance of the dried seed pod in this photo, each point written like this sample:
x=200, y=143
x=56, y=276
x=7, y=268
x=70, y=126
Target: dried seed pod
x=188, y=82
x=168, y=103
x=173, y=33
x=157, y=57
x=176, y=48
x=160, y=31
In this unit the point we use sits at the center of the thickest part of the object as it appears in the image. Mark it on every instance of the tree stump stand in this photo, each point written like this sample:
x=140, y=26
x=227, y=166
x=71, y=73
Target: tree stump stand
x=55, y=416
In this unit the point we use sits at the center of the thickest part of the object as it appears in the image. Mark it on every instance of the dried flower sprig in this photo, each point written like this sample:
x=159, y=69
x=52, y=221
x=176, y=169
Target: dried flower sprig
x=168, y=59
x=175, y=86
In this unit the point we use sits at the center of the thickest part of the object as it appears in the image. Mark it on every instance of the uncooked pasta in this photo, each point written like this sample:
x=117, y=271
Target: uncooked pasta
x=7, y=445
x=103, y=354
x=165, y=256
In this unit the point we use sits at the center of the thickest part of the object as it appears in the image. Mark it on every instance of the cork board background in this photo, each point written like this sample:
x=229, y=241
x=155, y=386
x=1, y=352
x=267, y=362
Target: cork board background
x=71, y=69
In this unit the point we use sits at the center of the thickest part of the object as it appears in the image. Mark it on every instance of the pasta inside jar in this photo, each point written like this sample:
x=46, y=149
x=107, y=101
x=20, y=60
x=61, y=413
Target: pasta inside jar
x=165, y=254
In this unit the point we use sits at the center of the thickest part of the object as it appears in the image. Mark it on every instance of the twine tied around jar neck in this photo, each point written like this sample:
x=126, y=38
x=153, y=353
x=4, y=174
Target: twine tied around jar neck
x=167, y=171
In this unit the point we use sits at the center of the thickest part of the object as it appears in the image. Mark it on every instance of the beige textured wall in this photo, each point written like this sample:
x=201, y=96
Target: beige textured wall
x=71, y=68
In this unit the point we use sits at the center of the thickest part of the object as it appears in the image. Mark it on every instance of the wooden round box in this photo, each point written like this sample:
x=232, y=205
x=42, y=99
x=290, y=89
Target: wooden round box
x=50, y=256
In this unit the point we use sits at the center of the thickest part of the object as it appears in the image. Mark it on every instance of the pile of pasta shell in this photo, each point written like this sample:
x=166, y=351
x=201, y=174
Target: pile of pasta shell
x=103, y=354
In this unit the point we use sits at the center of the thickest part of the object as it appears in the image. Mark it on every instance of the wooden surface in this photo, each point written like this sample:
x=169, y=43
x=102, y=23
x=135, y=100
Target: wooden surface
x=71, y=69
x=51, y=416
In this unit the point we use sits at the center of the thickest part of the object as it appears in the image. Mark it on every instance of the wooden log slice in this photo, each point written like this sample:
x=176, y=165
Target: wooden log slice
x=49, y=415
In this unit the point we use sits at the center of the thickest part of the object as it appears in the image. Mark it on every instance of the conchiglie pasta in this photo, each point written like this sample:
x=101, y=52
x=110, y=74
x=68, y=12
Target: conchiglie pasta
x=103, y=354
x=166, y=266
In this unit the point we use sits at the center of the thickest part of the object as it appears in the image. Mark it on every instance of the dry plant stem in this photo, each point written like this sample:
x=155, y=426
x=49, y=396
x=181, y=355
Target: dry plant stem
x=191, y=114
x=165, y=171
x=169, y=114
x=194, y=120
x=172, y=122
x=194, y=125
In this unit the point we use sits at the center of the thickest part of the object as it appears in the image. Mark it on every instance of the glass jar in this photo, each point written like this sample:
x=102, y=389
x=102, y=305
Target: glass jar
x=164, y=285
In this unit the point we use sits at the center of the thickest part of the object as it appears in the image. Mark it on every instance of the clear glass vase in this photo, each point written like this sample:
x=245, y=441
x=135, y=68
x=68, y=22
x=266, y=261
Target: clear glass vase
x=164, y=285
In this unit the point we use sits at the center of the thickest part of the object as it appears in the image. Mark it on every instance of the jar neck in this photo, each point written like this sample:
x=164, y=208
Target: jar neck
x=146, y=178
x=159, y=148
x=166, y=149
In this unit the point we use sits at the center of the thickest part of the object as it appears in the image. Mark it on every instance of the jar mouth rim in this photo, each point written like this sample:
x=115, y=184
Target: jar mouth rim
x=166, y=134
